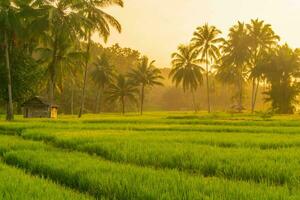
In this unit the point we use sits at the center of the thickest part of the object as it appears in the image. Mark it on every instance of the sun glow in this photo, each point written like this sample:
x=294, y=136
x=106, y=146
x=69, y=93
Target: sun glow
x=156, y=31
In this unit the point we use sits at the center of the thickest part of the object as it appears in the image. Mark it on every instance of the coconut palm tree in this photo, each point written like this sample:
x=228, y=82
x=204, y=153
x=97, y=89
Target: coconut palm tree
x=145, y=75
x=10, y=26
x=102, y=75
x=17, y=36
x=207, y=40
x=186, y=70
x=100, y=22
x=61, y=25
x=68, y=63
x=263, y=40
x=122, y=91
x=236, y=56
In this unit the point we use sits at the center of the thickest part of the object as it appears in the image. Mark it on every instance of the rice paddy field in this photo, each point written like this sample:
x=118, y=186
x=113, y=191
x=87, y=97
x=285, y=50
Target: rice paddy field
x=155, y=156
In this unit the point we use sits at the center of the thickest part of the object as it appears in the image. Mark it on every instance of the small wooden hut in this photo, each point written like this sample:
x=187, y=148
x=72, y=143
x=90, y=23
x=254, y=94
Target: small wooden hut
x=38, y=107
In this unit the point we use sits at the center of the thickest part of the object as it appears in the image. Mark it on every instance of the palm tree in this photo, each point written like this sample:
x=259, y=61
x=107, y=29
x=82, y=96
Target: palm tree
x=60, y=25
x=68, y=63
x=18, y=35
x=122, y=91
x=263, y=40
x=100, y=22
x=102, y=75
x=187, y=70
x=10, y=27
x=145, y=75
x=236, y=56
x=207, y=40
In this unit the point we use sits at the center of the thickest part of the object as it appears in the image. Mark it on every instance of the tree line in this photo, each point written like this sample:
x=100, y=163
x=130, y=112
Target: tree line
x=52, y=40
x=46, y=47
x=251, y=53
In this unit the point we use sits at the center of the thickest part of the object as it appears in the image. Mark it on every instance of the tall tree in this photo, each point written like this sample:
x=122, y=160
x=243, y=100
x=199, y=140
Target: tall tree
x=100, y=22
x=236, y=56
x=123, y=58
x=61, y=24
x=186, y=70
x=10, y=26
x=102, y=75
x=145, y=75
x=21, y=37
x=207, y=40
x=68, y=63
x=263, y=40
x=122, y=91
x=281, y=69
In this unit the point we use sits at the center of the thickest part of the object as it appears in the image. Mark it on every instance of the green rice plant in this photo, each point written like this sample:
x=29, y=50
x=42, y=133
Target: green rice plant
x=271, y=166
x=171, y=128
x=279, y=167
x=118, y=181
x=255, y=140
x=16, y=185
x=167, y=153
x=9, y=143
x=191, y=154
x=159, y=124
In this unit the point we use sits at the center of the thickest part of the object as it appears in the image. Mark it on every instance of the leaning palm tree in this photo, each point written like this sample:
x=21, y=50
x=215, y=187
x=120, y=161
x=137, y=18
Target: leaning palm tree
x=99, y=22
x=263, y=40
x=122, y=91
x=207, y=40
x=186, y=70
x=236, y=56
x=145, y=75
x=102, y=75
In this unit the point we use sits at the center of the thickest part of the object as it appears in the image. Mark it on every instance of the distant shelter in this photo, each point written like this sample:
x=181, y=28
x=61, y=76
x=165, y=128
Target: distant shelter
x=39, y=107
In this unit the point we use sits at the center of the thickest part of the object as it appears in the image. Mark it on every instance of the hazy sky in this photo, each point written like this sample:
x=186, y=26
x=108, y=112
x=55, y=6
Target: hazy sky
x=156, y=27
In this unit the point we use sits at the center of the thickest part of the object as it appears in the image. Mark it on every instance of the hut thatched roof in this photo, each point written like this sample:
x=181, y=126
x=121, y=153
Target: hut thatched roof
x=37, y=100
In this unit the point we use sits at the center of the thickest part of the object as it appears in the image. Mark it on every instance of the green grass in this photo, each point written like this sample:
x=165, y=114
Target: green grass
x=161, y=155
x=16, y=185
x=277, y=166
x=117, y=181
x=9, y=143
x=250, y=140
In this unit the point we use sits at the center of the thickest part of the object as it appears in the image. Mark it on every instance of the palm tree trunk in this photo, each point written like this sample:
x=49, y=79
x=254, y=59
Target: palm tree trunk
x=101, y=98
x=207, y=84
x=85, y=74
x=97, y=100
x=256, y=92
x=52, y=71
x=255, y=88
x=142, y=98
x=241, y=97
x=51, y=95
x=72, y=99
x=255, y=84
x=123, y=106
x=10, y=112
x=194, y=102
x=253, y=95
x=240, y=108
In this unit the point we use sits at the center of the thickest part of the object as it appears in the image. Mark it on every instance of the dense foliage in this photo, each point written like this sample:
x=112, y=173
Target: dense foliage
x=250, y=54
x=281, y=69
